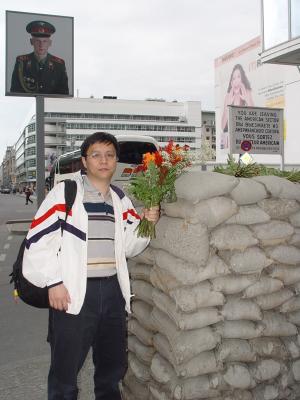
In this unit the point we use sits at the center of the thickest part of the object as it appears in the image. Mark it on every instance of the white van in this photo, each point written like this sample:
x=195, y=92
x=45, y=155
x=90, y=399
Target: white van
x=132, y=149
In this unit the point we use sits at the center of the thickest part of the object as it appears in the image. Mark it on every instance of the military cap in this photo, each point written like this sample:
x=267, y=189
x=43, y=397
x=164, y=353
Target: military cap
x=40, y=28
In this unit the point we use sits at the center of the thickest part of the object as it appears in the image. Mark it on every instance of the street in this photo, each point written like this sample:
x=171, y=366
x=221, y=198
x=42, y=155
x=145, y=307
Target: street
x=24, y=360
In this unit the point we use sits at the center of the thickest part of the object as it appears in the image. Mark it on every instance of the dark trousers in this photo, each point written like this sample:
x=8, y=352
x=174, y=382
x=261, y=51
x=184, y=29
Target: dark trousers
x=101, y=324
x=28, y=198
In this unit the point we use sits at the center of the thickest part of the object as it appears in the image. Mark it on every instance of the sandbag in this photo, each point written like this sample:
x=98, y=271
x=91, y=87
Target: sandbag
x=140, y=370
x=162, y=371
x=284, y=254
x=163, y=280
x=184, y=240
x=232, y=237
x=237, y=394
x=295, y=219
x=273, y=300
x=185, y=344
x=279, y=187
x=238, y=376
x=248, y=192
x=142, y=290
x=139, y=271
x=292, y=345
x=157, y=392
x=210, y=212
x=295, y=239
x=273, y=232
x=248, y=215
x=235, y=350
x=232, y=284
x=250, y=261
x=294, y=317
x=236, y=309
x=277, y=325
x=270, y=347
x=266, y=392
x=296, y=370
x=143, y=353
x=265, y=285
x=141, y=333
x=197, y=185
x=185, y=321
x=201, y=364
x=265, y=370
x=291, y=305
x=191, y=298
x=286, y=273
x=278, y=208
x=138, y=389
x=146, y=257
x=142, y=312
x=240, y=329
x=188, y=273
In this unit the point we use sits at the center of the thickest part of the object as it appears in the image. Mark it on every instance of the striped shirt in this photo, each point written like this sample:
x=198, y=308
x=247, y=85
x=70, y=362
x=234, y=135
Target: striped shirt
x=101, y=231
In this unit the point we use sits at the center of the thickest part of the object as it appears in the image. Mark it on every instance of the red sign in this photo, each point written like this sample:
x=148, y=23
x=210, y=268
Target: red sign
x=246, y=145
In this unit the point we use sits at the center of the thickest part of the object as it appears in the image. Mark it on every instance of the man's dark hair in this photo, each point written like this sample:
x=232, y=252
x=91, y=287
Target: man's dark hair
x=99, y=137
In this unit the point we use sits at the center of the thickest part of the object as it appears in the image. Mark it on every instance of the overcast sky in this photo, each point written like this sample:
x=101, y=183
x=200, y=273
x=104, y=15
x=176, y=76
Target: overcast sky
x=135, y=49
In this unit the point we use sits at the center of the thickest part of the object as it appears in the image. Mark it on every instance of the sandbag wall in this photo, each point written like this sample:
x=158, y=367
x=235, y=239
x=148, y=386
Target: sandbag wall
x=216, y=312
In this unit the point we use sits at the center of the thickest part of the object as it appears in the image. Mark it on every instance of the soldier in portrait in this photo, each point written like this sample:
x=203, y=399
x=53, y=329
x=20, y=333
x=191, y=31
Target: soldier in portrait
x=40, y=72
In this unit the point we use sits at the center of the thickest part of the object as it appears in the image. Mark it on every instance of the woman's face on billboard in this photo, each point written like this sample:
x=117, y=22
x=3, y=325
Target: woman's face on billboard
x=236, y=80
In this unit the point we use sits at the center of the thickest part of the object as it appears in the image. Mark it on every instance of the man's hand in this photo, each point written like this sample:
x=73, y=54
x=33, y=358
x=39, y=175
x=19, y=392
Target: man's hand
x=59, y=297
x=151, y=214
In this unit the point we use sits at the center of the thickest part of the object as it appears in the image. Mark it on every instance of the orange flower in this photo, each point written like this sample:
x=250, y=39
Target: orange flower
x=147, y=158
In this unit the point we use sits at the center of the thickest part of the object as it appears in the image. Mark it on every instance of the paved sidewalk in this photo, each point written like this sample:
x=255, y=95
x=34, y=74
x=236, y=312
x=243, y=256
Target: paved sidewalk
x=27, y=380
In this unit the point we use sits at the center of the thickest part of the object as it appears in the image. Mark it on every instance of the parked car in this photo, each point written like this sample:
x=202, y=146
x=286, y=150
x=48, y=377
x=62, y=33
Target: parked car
x=5, y=190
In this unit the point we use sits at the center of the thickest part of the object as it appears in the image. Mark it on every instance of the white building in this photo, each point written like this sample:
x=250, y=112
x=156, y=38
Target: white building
x=69, y=121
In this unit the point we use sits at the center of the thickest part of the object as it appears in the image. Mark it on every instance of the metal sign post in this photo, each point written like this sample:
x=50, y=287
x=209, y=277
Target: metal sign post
x=40, y=150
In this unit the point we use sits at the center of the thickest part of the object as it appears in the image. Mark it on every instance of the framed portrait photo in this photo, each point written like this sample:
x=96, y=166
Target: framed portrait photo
x=39, y=55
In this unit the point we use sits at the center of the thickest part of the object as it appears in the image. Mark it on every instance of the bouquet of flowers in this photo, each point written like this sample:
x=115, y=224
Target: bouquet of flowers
x=155, y=180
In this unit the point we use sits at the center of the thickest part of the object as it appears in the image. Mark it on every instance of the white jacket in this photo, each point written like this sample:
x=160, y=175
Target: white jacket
x=50, y=258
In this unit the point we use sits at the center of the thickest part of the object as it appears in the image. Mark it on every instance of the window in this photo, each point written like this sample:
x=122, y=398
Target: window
x=132, y=152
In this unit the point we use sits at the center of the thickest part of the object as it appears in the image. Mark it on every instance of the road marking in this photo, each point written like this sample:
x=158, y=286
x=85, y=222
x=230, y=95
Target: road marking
x=2, y=257
x=6, y=246
x=9, y=237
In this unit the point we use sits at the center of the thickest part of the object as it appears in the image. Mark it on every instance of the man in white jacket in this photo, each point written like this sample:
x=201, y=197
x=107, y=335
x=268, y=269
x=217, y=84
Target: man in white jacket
x=86, y=272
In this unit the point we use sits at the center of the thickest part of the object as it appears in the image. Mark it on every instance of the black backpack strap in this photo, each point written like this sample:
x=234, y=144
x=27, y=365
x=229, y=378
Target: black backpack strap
x=70, y=195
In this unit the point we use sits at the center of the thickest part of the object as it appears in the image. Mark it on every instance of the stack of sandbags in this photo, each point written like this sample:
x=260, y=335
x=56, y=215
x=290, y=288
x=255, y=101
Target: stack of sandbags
x=224, y=311
x=140, y=329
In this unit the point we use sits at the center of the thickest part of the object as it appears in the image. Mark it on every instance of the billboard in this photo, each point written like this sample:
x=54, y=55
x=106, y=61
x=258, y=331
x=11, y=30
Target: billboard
x=39, y=55
x=242, y=81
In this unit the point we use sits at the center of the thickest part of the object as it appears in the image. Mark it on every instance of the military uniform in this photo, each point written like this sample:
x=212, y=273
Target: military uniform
x=48, y=76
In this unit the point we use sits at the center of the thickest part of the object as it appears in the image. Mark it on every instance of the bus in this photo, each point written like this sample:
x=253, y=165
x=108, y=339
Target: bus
x=132, y=149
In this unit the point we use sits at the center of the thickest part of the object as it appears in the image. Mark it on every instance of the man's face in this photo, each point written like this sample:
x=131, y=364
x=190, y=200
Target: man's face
x=40, y=46
x=100, y=162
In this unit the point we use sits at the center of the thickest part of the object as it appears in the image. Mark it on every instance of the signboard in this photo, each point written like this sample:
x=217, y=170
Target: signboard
x=241, y=80
x=256, y=130
x=39, y=55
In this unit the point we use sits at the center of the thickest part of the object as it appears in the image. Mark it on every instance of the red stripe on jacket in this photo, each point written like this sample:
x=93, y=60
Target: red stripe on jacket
x=52, y=210
x=131, y=212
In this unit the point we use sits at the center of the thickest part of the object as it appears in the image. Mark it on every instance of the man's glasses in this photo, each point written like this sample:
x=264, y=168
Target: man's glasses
x=99, y=156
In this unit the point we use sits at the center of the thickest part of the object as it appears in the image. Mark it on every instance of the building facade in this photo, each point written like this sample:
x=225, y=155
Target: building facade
x=8, y=170
x=69, y=121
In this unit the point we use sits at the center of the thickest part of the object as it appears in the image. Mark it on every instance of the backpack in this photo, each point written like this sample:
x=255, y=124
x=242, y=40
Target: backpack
x=29, y=293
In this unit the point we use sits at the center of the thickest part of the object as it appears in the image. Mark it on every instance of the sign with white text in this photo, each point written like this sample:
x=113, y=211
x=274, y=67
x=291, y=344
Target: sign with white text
x=255, y=130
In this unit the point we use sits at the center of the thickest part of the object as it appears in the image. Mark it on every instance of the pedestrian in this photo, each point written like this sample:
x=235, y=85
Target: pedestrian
x=40, y=71
x=86, y=272
x=28, y=193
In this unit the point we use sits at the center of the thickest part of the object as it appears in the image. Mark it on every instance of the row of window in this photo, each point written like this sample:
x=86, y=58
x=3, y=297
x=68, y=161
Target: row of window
x=175, y=139
x=31, y=127
x=30, y=139
x=176, y=128
x=113, y=116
